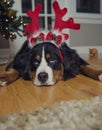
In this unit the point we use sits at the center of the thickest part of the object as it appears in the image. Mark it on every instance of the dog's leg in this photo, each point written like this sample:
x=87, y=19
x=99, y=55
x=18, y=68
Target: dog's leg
x=8, y=77
x=91, y=72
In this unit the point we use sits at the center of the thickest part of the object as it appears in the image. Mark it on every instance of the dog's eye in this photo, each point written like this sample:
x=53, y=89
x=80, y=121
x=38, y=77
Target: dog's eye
x=53, y=61
x=36, y=63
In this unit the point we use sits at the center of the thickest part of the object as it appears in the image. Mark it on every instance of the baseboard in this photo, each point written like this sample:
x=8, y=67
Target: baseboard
x=85, y=50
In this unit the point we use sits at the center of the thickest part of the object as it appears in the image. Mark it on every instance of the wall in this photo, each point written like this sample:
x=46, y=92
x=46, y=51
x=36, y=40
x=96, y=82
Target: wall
x=4, y=47
x=88, y=35
x=4, y=44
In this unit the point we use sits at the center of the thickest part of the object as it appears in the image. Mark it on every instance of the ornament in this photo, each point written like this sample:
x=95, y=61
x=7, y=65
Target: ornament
x=11, y=13
x=13, y=35
x=5, y=1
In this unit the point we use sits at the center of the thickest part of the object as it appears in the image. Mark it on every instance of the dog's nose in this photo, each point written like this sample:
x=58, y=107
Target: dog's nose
x=43, y=76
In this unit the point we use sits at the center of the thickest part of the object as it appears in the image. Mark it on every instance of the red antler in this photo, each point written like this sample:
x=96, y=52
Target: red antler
x=33, y=29
x=34, y=26
x=61, y=24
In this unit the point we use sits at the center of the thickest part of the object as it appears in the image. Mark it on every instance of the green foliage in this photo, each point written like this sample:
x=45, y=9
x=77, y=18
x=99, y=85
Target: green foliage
x=10, y=23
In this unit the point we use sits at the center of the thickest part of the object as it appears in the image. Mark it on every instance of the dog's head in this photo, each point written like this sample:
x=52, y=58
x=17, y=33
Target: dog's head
x=49, y=64
x=45, y=64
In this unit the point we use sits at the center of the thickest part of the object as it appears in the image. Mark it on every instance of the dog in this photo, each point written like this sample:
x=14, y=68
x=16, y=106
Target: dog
x=45, y=64
x=45, y=58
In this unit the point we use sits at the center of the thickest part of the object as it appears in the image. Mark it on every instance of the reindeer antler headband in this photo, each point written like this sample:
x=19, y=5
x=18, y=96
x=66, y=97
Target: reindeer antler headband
x=56, y=36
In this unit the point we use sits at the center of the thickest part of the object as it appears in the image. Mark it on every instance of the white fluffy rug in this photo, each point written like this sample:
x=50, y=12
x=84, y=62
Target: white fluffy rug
x=72, y=115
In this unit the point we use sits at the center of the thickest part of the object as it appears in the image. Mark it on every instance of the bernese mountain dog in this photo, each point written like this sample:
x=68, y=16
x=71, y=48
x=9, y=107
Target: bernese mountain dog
x=45, y=64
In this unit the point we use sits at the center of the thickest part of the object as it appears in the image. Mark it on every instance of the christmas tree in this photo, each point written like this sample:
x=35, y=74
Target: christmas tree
x=9, y=21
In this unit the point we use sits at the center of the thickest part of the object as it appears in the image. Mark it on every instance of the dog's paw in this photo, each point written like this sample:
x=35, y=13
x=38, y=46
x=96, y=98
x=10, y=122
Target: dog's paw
x=4, y=79
x=8, y=77
x=100, y=77
x=3, y=83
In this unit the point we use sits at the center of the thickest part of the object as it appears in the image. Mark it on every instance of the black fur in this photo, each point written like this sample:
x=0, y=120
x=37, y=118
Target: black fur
x=71, y=61
x=21, y=61
x=49, y=48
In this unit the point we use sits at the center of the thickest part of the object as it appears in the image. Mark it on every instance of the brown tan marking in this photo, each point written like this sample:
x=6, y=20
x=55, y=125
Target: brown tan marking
x=58, y=74
x=48, y=56
x=38, y=57
x=32, y=74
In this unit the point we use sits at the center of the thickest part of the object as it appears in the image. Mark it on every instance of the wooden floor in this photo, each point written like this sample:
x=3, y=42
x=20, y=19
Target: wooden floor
x=24, y=96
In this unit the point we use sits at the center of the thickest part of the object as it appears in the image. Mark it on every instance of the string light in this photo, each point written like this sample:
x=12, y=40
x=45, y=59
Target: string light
x=10, y=36
x=8, y=2
x=6, y=20
x=9, y=21
x=13, y=33
x=12, y=17
x=6, y=28
x=24, y=24
x=21, y=22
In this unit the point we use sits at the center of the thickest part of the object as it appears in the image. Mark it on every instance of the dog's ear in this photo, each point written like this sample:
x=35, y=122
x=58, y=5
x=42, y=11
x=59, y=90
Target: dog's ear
x=21, y=60
x=71, y=62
